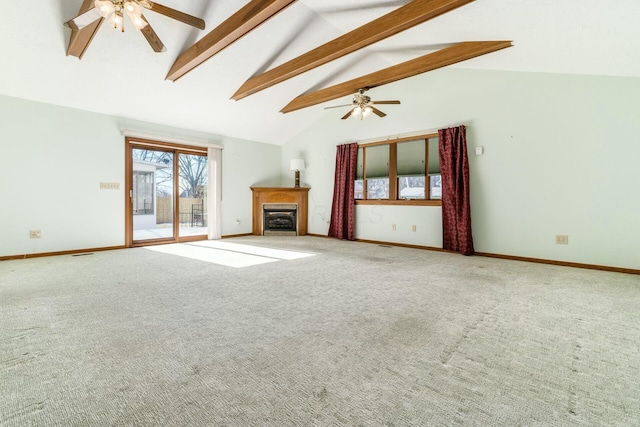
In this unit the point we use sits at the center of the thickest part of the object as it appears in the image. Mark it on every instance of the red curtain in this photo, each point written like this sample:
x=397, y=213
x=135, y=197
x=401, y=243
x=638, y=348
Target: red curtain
x=456, y=210
x=342, y=224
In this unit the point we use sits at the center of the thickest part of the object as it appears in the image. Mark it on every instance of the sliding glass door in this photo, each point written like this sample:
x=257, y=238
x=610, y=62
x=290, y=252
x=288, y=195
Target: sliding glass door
x=152, y=194
x=192, y=181
x=167, y=189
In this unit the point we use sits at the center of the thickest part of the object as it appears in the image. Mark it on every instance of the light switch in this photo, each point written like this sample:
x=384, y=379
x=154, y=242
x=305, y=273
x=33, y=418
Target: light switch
x=109, y=185
x=479, y=151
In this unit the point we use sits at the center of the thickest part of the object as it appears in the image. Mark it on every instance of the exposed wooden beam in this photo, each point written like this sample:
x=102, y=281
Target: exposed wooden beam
x=441, y=58
x=81, y=38
x=407, y=16
x=255, y=13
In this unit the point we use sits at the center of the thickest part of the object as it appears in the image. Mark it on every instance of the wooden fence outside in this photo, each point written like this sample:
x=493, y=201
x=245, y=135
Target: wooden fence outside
x=191, y=209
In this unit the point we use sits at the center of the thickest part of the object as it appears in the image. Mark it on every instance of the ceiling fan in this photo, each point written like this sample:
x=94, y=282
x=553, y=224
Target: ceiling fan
x=114, y=10
x=362, y=106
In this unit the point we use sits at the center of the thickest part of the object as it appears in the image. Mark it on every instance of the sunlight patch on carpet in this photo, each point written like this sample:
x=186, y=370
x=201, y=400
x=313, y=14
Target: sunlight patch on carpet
x=228, y=254
x=253, y=250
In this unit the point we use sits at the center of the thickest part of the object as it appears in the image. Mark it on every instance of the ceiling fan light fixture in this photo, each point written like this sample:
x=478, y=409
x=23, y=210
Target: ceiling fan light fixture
x=116, y=20
x=356, y=111
x=104, y=7
x=366, y=112
x=94, y=12
x=138, y=22
x=132, y=8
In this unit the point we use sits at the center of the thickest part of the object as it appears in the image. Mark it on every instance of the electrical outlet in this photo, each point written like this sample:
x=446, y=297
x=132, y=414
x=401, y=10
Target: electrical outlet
x=393, y=227
x=562, y=239
x=109, y=185
x=413, y=228
x=35, y=234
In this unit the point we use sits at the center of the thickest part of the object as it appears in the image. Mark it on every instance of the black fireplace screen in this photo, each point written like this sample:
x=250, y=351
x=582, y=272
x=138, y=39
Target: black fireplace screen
x=280, y=219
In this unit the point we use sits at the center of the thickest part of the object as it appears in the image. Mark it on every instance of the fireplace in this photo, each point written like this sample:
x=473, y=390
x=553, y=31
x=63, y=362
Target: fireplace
x=280, y=219
x=282, y=200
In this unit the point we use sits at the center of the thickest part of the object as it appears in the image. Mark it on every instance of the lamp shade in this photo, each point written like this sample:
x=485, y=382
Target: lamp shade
x=115, y=20
x=104, y=7
x=132, y=8
x=296, y=165
x=137, y=20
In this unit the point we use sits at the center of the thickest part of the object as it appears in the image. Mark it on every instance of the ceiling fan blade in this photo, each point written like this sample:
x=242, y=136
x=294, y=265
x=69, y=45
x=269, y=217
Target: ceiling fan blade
x=152, y=37
x=385, y=102
x=378, y=112
x=346, y=116
x=80, y=39
x=338, y=106
x=177, y=15
x=84, y=19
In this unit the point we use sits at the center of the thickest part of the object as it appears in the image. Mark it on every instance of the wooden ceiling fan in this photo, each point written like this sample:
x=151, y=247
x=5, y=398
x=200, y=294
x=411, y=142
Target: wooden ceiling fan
x=362, y=106
x=94, y=12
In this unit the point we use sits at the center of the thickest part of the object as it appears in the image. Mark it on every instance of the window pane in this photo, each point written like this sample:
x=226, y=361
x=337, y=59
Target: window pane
x=435, y=186
x=411, y=169
x=377, y=161
x=378, y=188
x=411, y=187
x=360, y=164
x=411, y=158
x=434, y=157
x=358, y=188
x=435, y=182
x=143, y=193
x=152, y=198
x=193, y=194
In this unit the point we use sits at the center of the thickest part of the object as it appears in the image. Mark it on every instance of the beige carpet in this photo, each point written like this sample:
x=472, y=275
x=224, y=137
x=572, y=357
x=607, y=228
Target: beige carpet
x=356, y=335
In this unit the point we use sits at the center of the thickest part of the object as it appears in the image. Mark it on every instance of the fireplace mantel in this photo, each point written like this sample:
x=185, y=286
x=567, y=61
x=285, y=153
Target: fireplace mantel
x=262, y=195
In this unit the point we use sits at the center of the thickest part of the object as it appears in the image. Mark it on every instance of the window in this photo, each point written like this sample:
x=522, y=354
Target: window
x=403, y=171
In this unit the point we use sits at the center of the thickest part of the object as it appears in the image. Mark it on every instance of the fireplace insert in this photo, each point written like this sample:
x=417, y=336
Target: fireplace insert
x=280, y=219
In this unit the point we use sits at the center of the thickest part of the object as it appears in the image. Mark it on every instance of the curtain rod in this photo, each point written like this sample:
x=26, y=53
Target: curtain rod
x=408, y=135
x=167, y=138
x=398, y=136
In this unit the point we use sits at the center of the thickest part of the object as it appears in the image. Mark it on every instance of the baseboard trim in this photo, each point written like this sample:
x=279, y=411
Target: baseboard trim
x=508, y=257
x=403, y=245
x=105, y=248
x=374, y=242
x=57, y=253
x=561, y=263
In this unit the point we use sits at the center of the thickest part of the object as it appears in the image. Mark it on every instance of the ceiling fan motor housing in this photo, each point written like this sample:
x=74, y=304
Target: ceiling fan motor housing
x=360, y=99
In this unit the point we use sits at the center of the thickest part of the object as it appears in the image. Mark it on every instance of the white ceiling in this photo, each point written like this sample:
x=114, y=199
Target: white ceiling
x=120, y=75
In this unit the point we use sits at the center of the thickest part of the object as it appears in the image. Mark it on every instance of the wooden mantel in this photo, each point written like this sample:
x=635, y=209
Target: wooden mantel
x=262, y=195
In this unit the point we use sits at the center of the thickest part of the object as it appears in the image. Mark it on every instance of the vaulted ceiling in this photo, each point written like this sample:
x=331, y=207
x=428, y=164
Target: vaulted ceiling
x=121, y=75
